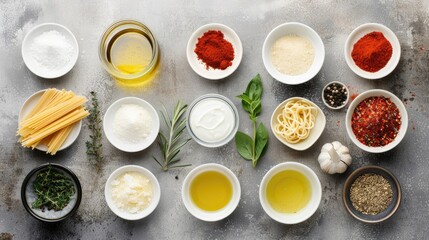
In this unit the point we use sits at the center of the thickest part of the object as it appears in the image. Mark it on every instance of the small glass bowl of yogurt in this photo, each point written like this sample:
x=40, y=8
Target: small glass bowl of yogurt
x=212, y=120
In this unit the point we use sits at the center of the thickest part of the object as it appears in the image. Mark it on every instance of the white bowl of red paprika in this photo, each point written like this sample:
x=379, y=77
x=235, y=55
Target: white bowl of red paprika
x=376, y=121
x=372, y=51
x=214, y=51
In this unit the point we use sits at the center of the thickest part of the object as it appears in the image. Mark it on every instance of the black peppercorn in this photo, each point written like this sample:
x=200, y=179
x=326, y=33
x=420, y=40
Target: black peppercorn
x=335, y=95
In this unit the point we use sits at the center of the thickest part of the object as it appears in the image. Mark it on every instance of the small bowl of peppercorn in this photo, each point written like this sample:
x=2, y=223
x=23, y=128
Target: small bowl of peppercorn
x=371, y=194
x=335, y=95
x=51, y=193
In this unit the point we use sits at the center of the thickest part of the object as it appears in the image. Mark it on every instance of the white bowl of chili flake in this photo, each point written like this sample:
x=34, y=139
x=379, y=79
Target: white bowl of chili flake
x=376, y=121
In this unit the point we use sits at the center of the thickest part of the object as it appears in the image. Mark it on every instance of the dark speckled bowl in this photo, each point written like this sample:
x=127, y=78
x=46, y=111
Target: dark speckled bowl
x=28, y=196
x=390, y=210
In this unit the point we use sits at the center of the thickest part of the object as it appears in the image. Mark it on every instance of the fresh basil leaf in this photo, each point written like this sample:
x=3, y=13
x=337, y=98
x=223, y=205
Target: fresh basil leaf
x=255, y=108
x=260, y=141
x=244, y=144
x=254, y=89
x=245, y=102
x=252, y=149
x=251, y=90
x=245, y=98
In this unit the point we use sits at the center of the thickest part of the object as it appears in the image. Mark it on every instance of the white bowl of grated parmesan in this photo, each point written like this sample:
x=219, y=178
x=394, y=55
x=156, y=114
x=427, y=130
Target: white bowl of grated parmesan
x=132, y=192
x=293, y=53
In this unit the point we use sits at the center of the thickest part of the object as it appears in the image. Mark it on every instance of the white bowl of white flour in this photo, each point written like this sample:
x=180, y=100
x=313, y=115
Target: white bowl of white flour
x=293, y=53
x=50, y=50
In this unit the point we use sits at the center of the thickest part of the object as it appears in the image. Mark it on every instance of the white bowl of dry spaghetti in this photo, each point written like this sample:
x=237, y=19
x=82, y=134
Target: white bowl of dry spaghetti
x=298, y=123
x=50, y=120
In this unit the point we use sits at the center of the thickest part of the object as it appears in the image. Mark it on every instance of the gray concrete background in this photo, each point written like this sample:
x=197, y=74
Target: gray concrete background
x=172, y=23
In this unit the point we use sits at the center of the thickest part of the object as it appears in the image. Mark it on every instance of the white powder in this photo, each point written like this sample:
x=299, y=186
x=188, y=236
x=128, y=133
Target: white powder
x=132, y=123
x=51, y=50
x=292, y=55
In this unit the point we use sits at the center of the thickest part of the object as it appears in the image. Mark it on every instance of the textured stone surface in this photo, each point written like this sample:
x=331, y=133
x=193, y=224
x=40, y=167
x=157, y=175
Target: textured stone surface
x=173, y=22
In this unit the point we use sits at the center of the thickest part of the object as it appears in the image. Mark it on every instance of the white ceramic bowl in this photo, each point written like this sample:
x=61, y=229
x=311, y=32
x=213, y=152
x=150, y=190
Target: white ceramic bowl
x=399, y=105
x=361, y=31
x=126, y=146
x=230, y=136
x=155, y=187
x=33, y=65
x=199, y=67
x=315, y=133
x=207, y=215
x=339, y=107
x=300, y=30
x=26, y=108
x=306, y=212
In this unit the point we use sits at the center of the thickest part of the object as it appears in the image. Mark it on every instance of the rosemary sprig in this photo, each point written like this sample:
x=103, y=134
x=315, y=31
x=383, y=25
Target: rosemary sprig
x=171, y=144
x=53, y=190
x=94, y=145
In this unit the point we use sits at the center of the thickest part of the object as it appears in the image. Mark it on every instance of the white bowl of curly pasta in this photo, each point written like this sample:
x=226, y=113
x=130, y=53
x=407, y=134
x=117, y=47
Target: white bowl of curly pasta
x=298, y=123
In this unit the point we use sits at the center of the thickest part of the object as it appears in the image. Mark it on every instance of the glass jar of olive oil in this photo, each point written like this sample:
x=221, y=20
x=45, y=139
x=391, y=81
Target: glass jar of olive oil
x=129, y=52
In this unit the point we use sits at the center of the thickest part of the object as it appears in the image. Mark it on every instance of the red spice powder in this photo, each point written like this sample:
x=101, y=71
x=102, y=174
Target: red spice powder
x=214, y=50
x=372, y=52
x=376, y=121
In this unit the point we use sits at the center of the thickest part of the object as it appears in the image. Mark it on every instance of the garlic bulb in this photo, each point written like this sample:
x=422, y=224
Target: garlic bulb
x=334, y=158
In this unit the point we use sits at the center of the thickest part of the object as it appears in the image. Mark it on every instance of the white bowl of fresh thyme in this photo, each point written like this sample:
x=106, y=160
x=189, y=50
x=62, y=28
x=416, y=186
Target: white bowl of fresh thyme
x=51, y=193
x=372, y=194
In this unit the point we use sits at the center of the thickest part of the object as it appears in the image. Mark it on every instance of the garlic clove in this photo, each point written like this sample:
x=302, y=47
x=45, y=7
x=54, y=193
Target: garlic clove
x=334, y=158
x=341, y=167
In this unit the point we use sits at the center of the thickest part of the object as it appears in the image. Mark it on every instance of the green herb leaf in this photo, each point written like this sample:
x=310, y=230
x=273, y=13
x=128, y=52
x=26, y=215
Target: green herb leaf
x=244, y=144
x=245, y=102
x=261, y=142
x=251, y=98
x=254, y=89
x=256, y=108
x=171, y=143
x=93, y=146
x=248, y=148
x=53, y=190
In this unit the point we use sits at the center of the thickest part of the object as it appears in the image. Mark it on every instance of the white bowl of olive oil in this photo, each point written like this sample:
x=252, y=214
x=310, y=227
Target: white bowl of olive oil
x=211, y=192
x=290, y=193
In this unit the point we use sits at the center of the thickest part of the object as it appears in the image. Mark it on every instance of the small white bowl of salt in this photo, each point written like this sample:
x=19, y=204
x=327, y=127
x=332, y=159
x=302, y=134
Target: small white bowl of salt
x=131, y=124
x=50, y=50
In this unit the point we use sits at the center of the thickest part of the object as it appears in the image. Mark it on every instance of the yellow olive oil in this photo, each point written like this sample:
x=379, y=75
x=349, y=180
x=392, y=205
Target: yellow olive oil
x=130, y=52
x=211, y=191
x=288, y=191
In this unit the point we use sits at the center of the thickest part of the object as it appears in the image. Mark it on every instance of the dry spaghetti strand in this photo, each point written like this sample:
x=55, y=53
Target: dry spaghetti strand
x=52, y=119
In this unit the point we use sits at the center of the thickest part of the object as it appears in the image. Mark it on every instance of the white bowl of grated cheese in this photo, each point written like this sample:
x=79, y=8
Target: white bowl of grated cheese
x=131, y=124
x=132, y=192
x=293, y=53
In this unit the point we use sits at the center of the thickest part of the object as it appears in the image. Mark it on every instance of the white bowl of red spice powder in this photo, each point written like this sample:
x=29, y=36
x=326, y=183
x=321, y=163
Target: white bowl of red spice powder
x=376, y=121
x=214, y=51
x=372, y=51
